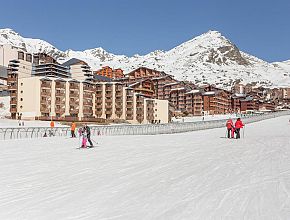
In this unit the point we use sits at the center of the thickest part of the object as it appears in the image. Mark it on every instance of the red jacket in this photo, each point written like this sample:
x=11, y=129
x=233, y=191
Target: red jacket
x=230, y=124
x=239, y=124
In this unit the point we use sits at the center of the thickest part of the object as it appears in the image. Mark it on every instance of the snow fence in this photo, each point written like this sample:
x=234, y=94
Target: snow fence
x=148, y=129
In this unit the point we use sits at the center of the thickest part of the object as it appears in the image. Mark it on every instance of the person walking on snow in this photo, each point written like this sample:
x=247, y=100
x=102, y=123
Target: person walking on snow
x=88, y=130
x=238, y=125
x=72, y=130
x=230, y=128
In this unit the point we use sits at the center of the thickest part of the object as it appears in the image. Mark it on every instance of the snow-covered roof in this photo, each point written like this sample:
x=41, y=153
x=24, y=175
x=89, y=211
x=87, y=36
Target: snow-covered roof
x=177, y=89
x=209, y=93
x=170, y=84
x=194, y=91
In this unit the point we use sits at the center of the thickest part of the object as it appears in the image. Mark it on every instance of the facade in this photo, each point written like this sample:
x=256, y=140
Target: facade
x=109, y=72
x=7, y=53
x=216, y=102
x=194, y=102
x=42, y=89
x=286, y=93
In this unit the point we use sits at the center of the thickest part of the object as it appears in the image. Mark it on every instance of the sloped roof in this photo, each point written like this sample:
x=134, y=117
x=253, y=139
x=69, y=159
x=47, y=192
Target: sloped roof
x=102, y=78
x=72, y=62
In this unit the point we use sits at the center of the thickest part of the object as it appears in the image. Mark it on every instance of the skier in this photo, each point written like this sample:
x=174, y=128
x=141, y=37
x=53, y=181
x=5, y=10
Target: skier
x=52, y=124
x=238, y=125
x=88, y=130
x=72, y=130
x=230, y=128
x=84, y=136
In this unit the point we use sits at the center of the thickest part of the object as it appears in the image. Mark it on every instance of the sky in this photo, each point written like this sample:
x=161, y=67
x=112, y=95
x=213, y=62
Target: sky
x=258, y=27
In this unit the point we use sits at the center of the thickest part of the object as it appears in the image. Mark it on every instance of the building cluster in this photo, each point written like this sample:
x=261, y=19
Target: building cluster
x=41, y=88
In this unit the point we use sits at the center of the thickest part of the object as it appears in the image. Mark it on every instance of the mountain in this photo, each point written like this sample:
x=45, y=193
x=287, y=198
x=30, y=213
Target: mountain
x=208, y=58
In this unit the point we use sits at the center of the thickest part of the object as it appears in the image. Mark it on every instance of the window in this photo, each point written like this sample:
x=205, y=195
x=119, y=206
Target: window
x=21, y=106
x=21, y=91
x=21, y=99
x=21, y=84
x=29, y=57
x=20, y=55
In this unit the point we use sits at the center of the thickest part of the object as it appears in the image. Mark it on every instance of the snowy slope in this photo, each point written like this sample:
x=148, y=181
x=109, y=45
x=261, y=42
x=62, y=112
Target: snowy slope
x=8, y=36
x=209, y=57
x=180, y=176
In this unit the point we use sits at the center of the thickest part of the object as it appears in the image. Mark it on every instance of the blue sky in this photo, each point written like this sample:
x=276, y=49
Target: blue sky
x=258, y=27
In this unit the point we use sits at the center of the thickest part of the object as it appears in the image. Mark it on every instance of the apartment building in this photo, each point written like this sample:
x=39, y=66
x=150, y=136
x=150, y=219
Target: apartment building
x=286, y=93
x=159, y=83
x=42, y=89
x=110, y=72
x=79, y=69
x=249, y=104
x=144, y=87
x=7, y=53
x=216, y=102
x=194, y=102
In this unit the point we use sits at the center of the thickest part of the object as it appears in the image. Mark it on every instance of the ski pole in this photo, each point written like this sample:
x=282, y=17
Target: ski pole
x=244, y=132
x=94, y=141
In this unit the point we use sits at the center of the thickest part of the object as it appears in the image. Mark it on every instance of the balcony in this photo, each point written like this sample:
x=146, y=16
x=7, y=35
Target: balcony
x=88, y=111
x=44, y=93
x=87, y=103
x=98, y=95
x=74, y=87
x=88, y=95
x=109, y=88
x=13, y=102
x=109, y=100
x=45, y=85
x=59, y=93
x=74, y=95
x=129, y=117
x=73, y=111
x=12, y=87
x=13, y=109
x=45, y=109
x=11, y=80
x=108, y=111
x=108, y=94
x=60, y=102
x=60, y=86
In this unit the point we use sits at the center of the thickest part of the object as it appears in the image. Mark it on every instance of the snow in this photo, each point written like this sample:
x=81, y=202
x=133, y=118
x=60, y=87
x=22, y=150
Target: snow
x=196, y=175
x=187, y=61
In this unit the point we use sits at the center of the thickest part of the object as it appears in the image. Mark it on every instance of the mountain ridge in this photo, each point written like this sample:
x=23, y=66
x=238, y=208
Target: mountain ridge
x=207, y=58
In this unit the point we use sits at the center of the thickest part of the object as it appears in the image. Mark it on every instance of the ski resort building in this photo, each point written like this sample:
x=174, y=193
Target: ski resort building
x=109, y=72
x=42, y=89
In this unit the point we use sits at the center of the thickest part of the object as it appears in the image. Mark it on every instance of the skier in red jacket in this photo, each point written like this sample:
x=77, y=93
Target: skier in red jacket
x=230, y=127
x=238, y=125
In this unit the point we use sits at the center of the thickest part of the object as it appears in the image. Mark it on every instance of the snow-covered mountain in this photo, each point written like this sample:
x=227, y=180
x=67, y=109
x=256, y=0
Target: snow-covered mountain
x=209, y=58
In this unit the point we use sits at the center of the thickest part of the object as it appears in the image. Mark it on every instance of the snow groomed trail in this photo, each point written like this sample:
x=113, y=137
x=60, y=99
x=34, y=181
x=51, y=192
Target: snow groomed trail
x=195, y=175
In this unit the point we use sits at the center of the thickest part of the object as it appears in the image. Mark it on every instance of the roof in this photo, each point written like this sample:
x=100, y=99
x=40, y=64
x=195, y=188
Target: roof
x=177, y=89
x=209, y=93
x=194, y=91
x=102, y=78
x=72, y=61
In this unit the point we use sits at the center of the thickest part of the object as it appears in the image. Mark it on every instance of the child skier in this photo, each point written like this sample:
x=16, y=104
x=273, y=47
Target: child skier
x=84, y=138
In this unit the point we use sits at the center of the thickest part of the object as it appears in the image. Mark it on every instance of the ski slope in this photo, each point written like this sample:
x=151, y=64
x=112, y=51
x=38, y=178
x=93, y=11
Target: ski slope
x=196, y=175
